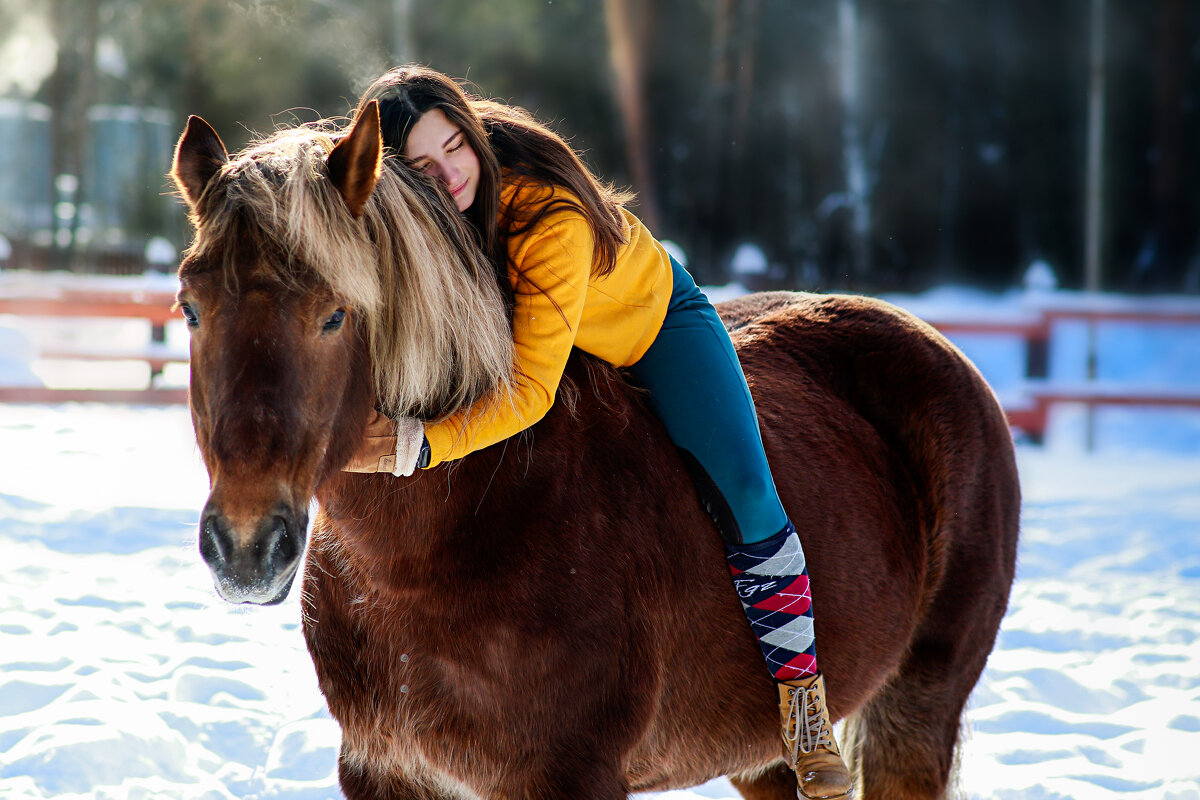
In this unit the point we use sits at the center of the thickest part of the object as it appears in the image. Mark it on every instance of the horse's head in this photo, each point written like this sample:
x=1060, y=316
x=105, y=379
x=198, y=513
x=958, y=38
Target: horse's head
x=278, y=367
x=310, y=264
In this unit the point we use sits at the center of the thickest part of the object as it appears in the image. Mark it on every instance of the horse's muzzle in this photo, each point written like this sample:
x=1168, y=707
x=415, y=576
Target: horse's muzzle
x=256, y=562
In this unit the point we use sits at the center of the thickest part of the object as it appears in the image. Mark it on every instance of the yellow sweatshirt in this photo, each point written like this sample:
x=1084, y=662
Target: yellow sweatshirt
x=560, y=305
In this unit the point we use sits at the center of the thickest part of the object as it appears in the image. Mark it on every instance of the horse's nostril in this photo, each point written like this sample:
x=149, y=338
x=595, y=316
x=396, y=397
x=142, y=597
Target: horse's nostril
x=216, y=546
x=277, y=546
x=285, y=543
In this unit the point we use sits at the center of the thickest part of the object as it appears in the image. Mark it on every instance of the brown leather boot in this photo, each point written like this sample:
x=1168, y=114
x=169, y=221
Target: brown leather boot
x=808, y=741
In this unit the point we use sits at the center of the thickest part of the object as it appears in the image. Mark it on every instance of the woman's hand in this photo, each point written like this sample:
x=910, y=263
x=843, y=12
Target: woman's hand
x=389, y=445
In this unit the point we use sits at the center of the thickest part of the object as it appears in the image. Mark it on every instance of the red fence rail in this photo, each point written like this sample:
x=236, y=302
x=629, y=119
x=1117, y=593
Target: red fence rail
x=1034, y=326
x=97, y=301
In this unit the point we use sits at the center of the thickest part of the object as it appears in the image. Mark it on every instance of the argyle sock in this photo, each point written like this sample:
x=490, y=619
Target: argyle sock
x=771, y=581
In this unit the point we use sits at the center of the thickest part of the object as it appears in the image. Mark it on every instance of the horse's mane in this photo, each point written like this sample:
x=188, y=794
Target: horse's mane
x=433, y=315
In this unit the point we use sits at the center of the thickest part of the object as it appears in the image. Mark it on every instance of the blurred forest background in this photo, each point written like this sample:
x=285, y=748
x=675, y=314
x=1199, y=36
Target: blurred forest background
x=855, y=144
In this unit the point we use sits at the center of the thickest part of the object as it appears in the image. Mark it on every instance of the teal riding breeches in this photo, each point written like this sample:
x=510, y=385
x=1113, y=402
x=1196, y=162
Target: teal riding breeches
x=697, y=389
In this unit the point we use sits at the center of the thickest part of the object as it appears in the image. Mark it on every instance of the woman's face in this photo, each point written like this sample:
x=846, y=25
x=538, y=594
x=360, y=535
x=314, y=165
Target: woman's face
x=438, y=147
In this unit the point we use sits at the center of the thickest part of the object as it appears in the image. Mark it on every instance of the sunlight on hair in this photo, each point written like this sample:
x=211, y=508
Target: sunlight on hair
x=436, y=322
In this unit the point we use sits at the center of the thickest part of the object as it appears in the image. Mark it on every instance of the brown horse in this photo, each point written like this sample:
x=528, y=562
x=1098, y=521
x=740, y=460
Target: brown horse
x=479, y=630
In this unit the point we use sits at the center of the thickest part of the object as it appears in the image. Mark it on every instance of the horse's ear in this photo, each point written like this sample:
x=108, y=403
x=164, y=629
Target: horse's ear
x=354, y=163
x=199, y=155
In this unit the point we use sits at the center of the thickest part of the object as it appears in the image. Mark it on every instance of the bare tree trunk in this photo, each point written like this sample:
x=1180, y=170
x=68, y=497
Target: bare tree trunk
x=85, y=95
x=626, y=40
x=854, y=158
x=58, y=96
x=1172, y=198
x=718, y=130
x=72, y=87
x=403, y=51
x=1095, y=151
x=802, y=274
x=952, y=165
x=746, y=48
x=728, y=108
x=1094, y=208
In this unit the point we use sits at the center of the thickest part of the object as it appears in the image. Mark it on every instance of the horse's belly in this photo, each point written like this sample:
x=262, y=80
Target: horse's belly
x=691, y=761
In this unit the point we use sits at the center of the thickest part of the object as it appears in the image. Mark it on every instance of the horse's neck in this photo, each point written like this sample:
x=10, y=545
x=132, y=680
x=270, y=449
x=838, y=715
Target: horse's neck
x=406, y=525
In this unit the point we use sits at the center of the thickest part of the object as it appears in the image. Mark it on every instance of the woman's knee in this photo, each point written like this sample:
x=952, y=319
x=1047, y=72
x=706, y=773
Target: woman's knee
x=739, y=467
x=749, y=487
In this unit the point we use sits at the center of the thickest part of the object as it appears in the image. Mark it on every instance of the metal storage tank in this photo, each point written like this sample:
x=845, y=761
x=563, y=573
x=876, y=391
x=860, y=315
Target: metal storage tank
x=125, y=180
x=26, y=201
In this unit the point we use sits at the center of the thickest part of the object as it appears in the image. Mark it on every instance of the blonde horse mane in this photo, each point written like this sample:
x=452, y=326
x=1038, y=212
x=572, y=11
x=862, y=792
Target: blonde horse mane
x=436, y=323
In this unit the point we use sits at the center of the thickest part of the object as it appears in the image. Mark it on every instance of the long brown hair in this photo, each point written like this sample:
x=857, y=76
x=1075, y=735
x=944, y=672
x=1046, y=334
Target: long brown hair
x=508, y=142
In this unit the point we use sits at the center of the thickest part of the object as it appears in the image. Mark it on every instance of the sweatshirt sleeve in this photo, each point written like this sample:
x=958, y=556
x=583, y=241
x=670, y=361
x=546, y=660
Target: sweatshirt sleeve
x=550, y=268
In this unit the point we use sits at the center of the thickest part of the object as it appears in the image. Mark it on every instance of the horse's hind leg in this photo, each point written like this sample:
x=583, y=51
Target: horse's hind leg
x=777, y=783
x=902, y=742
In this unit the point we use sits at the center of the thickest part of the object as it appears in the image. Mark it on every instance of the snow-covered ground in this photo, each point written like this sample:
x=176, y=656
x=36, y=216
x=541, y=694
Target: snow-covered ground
x=123, y=676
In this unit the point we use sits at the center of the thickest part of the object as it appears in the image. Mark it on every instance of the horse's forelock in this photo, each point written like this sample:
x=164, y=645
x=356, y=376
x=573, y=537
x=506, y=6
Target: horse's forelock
x=275, y=191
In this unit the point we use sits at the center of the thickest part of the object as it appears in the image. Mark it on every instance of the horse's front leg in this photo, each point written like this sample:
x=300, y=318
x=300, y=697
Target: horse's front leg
x=359, y=782
x=578, y=779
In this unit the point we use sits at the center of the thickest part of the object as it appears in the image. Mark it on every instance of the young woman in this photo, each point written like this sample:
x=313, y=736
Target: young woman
x=585, y=273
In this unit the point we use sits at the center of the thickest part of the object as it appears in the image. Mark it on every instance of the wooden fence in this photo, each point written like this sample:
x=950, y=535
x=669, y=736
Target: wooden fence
x=154, y=306
x=1028, y=410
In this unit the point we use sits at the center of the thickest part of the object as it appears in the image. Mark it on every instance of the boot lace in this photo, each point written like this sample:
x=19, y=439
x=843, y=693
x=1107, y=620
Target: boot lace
x=811, y=732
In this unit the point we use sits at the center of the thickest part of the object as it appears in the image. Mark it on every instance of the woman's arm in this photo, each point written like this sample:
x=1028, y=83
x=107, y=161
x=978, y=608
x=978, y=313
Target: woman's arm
x=552, y=264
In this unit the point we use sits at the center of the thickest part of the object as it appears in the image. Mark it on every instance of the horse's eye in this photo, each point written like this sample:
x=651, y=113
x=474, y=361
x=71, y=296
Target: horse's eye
x=335, y=320
x=189, y=315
